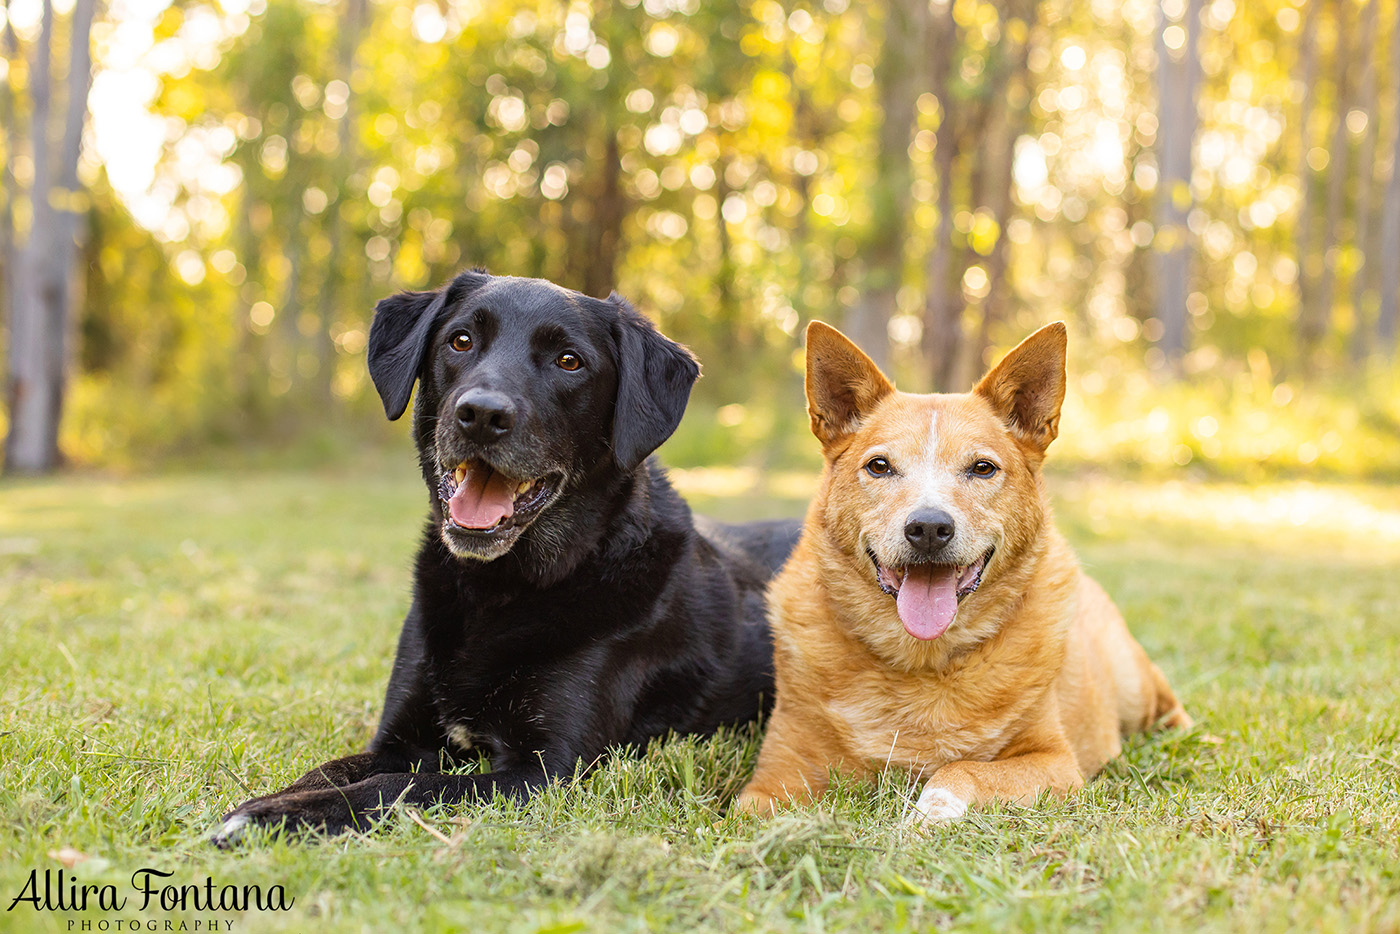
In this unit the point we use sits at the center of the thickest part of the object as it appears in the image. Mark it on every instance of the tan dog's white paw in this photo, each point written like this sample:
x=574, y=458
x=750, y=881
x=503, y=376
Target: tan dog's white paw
x=937, y=806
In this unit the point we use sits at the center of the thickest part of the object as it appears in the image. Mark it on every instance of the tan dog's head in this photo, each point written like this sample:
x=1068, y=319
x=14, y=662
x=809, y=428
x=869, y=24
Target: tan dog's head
x=934, y=497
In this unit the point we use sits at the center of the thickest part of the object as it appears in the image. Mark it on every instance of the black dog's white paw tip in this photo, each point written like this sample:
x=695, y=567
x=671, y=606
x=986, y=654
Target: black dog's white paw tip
x=230, y=831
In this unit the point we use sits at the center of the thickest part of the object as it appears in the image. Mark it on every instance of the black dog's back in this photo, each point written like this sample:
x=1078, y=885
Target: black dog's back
x=751, y=552
x=767, y=543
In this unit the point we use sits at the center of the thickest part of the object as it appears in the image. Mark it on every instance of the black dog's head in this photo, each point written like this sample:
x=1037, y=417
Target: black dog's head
x=526, y=390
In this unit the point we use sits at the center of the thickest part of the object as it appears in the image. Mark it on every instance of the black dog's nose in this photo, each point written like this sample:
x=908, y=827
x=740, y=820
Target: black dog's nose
x=485, y=416
x=929, y=530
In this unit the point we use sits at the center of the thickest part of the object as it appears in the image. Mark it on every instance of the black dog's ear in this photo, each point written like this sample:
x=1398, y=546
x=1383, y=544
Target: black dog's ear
x=397, y=338
x=654, y=377
x=399, y=335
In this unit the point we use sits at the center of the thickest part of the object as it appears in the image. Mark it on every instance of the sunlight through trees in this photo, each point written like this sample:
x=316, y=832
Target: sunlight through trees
x=1205, y=189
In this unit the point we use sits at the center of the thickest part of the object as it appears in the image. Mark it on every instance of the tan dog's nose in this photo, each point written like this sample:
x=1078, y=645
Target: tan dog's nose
x=929, y=530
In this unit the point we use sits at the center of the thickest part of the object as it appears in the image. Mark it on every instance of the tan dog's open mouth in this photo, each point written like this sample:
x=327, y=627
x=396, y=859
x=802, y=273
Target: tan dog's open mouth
x=927, y=595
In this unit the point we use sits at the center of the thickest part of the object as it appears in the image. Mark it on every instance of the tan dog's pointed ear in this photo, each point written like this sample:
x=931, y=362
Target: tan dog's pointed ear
x=843, y=384
x=1027, y=387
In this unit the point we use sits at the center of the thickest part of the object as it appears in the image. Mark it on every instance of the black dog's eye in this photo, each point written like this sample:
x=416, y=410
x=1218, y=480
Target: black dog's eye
x=461, y=341
x=984, y=468
x=878, y=467
x=568, y=360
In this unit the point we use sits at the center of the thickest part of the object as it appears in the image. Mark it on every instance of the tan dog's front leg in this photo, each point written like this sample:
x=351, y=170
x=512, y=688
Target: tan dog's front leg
x=793, y=765
x=1018, y=779
x=767, y=792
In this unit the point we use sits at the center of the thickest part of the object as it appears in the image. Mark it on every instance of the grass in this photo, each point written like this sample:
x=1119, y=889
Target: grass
x=169, y=643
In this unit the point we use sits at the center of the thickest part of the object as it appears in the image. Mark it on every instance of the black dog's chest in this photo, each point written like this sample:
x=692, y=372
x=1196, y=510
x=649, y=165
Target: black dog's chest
x=482, y=712
x=496, y=683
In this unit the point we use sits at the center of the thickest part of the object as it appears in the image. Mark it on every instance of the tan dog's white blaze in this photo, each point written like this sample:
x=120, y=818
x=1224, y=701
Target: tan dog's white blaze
x=931, y=617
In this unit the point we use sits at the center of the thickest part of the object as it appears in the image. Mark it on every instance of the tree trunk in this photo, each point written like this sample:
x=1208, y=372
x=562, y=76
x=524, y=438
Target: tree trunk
x=247, y=361
x=9, y=189
x=1011, y=125
x=1317, y=318
x=1363, y=279
x=1178, y=79
x=897, y=74
x=1307, y=67
x=809, y=128
x=728, y=313
x=801, y=236
x=73, y=200
x=1010, y=98
x=343, y=166
x=289, y=311
x=40, y=313
x=605, y=224
x=1388, y=318
x=943, y=301
x=32, y=443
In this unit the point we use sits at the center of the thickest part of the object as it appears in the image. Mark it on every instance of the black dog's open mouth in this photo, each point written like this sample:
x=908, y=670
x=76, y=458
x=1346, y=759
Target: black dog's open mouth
x=479, y=499
x=927, y=595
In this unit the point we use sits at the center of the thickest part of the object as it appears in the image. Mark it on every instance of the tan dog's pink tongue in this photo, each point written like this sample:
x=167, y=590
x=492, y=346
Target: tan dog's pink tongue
x=928, y=599
x=483, y=498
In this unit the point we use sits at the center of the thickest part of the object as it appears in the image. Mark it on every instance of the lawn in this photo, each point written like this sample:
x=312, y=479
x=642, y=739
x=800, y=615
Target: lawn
x=169, y=644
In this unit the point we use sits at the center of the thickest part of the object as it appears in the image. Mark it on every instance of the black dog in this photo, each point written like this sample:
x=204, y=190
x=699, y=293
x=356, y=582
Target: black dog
x=564, y=602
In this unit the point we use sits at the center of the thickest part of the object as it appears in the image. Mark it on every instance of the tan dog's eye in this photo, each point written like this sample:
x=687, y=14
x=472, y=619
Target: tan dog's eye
x=461, y=341
x=984, y=468
x=878, y=467
x=569, y=361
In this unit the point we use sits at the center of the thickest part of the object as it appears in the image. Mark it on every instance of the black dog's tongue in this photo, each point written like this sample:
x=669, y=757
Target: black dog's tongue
x=483, y=498
x=928, y=599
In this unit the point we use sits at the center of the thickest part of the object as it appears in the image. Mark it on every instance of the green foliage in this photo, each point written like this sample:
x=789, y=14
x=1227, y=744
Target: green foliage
x=729, y=167
x=1235, y=422
x=274, y=599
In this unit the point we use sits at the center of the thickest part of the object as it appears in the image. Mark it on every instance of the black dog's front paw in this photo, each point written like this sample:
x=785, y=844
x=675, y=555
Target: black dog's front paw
x=357, y=806
x=295, y=812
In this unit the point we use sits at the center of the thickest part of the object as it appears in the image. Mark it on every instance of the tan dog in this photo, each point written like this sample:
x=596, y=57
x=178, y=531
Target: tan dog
x=932, y=618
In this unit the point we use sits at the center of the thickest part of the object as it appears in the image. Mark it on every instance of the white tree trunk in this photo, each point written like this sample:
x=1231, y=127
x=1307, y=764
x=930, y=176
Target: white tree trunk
x=943, y=301
x=356, y=14
x=40, y=312
x=1317, y=318
x=1363, y=279
x=1303, y=227
x=898, y=74
x=1389, y=258
x=8, y=188
x=1178, y=78
x=31, y=445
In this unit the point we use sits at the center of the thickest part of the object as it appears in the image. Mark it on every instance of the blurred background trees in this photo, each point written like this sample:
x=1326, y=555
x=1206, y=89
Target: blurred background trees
x=39, y=270
x=1205, y=189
